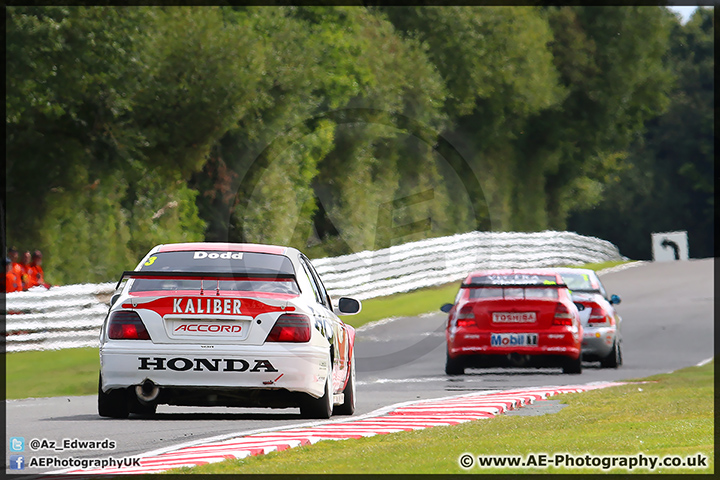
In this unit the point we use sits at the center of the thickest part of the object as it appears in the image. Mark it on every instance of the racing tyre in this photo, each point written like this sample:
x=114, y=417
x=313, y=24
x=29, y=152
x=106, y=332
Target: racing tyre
x=573, y=365
x=614, y=358
x=348, y=405
x=112, y=404
x=454, y=366
x=320, y=407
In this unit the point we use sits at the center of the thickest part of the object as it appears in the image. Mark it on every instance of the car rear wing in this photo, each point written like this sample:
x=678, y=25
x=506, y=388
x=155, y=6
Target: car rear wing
x=513, y=285
x=514, y=280
x=206, y=276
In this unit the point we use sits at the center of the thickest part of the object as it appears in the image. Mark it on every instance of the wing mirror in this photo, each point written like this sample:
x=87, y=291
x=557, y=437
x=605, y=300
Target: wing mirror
x=114, y=299
x=579, y=306
x=446, y=308
x=348, y=306
x=615, y=300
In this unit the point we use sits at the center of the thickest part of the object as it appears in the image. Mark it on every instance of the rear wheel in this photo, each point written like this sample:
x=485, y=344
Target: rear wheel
x=614, y=358
x=573, y=365
x=348, y=405
x=320, y=407
x=112, y=404
x=454, y=366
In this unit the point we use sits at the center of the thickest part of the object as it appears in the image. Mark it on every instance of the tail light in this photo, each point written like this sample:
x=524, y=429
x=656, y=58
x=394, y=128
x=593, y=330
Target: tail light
x=598, y=316
x=290, y=327
x=127, y=326
x=562, y=315
x=466, y=316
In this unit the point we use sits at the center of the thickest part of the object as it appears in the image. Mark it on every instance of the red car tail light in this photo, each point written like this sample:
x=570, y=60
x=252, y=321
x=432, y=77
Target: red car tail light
x=466, y=316
x=290, y=327
x=125, y=325
x=598, y=316
x=562, y=315
x=466, y=313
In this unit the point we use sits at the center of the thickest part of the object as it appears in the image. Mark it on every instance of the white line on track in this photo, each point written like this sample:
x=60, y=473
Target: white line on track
x=401, y=380
x=705, y=362
x=385, y=321
x=620, y=268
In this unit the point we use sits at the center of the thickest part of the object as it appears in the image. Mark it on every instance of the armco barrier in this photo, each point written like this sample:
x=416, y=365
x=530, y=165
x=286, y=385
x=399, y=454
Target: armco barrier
x=70, y=316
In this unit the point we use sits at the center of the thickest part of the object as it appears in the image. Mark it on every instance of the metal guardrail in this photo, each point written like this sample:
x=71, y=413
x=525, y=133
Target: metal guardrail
x=70, y=316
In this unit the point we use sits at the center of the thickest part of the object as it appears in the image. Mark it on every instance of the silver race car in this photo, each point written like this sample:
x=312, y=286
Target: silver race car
x=602, y=338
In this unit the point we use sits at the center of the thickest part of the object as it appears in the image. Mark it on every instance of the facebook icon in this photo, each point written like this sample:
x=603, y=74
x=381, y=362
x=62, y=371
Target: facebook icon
x=17, y=462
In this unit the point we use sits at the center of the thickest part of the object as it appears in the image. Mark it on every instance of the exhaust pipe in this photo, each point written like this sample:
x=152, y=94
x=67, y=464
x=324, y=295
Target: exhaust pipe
x=518, y=360
x=147, y=392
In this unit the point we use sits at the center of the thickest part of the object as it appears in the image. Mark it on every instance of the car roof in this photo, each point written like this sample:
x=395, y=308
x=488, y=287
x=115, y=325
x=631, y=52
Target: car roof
x=225, y=247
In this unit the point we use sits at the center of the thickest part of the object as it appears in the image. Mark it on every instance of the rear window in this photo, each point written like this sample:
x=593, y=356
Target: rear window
x=218, y=261
x=513, y=286
x=514, y=293
x=242, y=263
x=578, y=281
x=170, y=285
x=517, y=279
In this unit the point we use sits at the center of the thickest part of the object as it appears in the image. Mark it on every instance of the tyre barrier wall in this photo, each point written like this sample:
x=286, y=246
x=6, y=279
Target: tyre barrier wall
x=70, y=316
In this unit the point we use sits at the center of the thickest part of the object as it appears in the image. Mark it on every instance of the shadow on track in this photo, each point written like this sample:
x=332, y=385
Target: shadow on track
x=184, y=416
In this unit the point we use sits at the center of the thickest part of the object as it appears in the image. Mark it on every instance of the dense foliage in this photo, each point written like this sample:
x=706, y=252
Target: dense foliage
x=339, y=129
x=667, y=181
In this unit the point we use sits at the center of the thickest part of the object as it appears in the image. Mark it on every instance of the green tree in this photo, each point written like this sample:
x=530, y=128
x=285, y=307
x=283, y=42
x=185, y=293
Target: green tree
x=238, y=200
x=669, y=181
x=115, y=100
x=68, y=85
x=382, y=153
x=611, y=63
x=498, y=72
x=317, y=155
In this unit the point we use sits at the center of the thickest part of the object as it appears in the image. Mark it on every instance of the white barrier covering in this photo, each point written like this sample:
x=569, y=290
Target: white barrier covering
x=436, y=261
x=70, y=316
x=61, y=317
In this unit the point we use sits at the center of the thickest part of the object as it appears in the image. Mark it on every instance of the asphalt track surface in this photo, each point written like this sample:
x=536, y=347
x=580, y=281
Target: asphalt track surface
x=667, y=311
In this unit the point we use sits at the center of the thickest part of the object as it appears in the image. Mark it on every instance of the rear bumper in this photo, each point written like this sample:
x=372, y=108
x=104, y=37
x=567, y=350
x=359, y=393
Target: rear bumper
x=562, y=351
x=597, y=343
x=289, y=367
x=560, y=342
x=515, y=360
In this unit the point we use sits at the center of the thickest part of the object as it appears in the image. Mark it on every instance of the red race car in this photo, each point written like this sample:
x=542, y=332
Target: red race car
x=515, y=318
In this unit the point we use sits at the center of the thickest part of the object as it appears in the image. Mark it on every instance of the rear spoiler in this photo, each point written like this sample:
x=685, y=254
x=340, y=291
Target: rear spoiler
x=513, y=285
x=203, y=275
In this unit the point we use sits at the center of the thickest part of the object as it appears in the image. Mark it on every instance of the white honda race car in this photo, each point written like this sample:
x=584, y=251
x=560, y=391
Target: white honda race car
x=226, y=324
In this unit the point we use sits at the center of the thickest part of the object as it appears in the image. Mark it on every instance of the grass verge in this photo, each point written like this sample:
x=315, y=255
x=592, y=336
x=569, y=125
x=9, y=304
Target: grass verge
x=672, y=415
x=52, y=373
x=602, y=265
x=74, y=371
x=404, y=304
